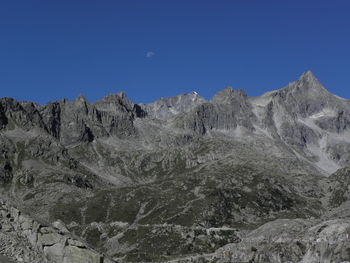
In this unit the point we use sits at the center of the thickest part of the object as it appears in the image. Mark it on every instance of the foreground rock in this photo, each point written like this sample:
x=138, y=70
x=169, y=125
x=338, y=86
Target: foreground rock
x=23, y=239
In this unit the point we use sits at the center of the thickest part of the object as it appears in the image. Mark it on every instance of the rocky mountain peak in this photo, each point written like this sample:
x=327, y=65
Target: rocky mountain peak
x=113, y=97
x=115, y=102
x=308, y=75
x=80, y=100
x=228, y=95
x=168, y=107
x=224, y=92
x=306, y=90
x=309, y=81
x=122, y=95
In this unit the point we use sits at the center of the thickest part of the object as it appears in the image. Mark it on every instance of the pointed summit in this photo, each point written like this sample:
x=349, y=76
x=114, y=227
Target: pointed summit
x=308, y=80
x=308, y=76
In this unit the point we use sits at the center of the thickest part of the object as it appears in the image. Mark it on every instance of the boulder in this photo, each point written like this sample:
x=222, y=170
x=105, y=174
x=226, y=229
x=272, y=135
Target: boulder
x=51, y=239
x=60, y=226
x=54, y=253
x=79, y=255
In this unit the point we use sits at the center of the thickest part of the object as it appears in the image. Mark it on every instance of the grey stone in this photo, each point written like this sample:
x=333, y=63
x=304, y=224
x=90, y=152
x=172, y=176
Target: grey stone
x=55, y=253
x=76, y=243
x=75, y=254
x=26, y=222
x=14, y=213
x=60, y=226
x=51, y=239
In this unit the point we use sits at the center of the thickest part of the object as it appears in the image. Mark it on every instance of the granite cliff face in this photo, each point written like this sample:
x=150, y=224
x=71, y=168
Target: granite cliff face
x=183, y=178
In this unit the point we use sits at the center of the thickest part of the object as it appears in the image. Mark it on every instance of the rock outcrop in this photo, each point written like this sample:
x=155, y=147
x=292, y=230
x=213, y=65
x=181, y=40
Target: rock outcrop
x=228, y=110
x=166, y=108
x=23, y=239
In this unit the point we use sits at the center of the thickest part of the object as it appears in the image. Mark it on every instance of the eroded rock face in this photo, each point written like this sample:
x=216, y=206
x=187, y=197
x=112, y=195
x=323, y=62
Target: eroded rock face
x=337, y=123
x=76, y=121
x=166, y=108
x=228, y=110
x=51, y=114
x=24, y=114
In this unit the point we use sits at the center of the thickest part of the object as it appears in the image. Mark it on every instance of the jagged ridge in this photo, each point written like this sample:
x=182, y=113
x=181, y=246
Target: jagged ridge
x=137, y=180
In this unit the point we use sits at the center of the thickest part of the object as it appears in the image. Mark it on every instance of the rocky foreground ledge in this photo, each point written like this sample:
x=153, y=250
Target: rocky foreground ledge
x=23, y=239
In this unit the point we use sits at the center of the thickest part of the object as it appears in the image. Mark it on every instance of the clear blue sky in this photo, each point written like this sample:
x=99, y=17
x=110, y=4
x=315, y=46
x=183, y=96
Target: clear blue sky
x=151, y=49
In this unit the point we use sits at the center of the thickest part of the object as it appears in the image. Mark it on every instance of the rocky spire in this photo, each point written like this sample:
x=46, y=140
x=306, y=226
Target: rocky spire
x=308, y=75
x=309, y=80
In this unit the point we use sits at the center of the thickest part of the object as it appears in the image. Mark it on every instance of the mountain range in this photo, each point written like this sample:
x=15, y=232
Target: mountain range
x=182, y=179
